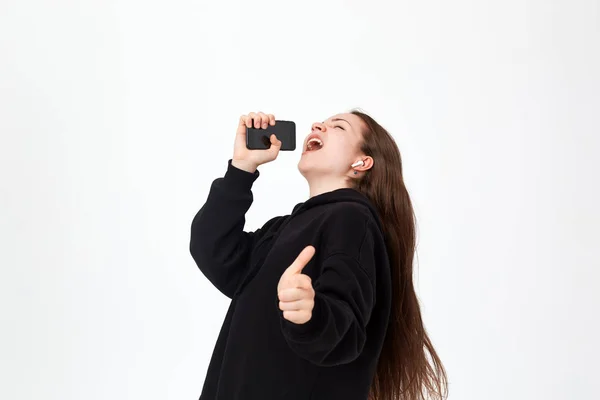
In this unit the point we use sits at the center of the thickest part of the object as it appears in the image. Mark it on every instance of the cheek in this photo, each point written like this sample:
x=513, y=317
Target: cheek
x=340, y=149
x=339, y=158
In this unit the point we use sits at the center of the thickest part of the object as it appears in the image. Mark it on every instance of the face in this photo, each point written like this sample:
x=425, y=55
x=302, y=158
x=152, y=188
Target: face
x=332, y=147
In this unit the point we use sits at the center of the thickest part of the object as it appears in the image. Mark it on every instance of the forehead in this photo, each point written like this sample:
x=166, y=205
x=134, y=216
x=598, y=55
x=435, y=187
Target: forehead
x=356, y=123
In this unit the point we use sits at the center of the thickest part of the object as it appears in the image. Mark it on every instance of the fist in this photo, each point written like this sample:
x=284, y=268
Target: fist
x=295, y=290
x=249, y=160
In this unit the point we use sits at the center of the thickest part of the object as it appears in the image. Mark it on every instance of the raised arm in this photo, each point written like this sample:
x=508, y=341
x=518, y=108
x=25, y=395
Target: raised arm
x=218, y=243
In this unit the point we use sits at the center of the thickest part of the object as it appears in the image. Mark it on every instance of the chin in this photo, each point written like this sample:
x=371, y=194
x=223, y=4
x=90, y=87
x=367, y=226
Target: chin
x=312, y=167
x=308, y=166
x=303, y=166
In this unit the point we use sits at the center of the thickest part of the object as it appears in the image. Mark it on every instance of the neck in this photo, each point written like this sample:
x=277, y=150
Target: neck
x=320, y=186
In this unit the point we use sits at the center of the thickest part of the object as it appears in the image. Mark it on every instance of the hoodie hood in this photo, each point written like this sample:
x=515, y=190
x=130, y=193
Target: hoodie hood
x=339, y=196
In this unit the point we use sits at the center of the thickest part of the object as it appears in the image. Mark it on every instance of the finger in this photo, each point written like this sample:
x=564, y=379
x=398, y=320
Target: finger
x=293, y=294
x=297, y=317
x=253, y=116
x=300, y=281
x=248, y=120
x=256, y=119
x=271, y=119
x=296, y=305
x=300, y=262
x=264, y=120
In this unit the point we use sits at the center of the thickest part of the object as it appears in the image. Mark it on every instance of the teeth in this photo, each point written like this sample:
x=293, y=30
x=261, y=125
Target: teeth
x=314, y=141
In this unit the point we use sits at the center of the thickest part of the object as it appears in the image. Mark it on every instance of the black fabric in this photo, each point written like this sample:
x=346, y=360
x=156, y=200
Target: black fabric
x=259, y=354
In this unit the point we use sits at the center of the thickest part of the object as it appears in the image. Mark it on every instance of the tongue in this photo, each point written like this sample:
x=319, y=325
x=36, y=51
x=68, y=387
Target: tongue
x=314, y=146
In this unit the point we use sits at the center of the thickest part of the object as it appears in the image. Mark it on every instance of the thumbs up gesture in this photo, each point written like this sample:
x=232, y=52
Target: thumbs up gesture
x=295, y=290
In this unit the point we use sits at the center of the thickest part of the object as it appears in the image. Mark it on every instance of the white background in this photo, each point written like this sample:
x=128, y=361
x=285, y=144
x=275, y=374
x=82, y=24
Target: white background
x=115, y=117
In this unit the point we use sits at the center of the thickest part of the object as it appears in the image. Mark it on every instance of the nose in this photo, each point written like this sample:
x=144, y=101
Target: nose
x=318, y=126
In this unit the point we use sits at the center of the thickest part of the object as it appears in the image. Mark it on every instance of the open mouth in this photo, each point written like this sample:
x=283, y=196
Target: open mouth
x=314, y=144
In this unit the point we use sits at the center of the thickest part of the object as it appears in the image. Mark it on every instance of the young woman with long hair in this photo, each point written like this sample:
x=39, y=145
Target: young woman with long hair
x=323, y=302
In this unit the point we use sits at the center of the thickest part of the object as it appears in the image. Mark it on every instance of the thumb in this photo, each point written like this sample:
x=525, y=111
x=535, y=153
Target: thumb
x=275, y=144
x=300, y=262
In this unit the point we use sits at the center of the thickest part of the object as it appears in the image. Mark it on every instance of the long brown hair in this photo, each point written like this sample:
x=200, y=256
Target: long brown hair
x=409, y=367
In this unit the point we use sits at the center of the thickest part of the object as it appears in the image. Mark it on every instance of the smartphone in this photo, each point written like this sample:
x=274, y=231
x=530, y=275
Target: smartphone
x=259, y=139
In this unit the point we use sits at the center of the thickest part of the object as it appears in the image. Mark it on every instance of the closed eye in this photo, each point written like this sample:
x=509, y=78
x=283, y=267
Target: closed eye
x=339, y=126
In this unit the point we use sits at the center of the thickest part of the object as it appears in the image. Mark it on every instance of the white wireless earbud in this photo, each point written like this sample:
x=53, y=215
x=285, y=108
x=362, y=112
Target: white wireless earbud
x=358, y=163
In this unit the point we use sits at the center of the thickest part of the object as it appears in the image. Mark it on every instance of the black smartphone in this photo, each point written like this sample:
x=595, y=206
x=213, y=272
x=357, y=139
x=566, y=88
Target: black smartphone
x=258, y=138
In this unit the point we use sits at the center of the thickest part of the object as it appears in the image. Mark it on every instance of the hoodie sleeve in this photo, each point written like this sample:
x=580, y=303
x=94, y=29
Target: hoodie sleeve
x=344, y=300
x=218, y=243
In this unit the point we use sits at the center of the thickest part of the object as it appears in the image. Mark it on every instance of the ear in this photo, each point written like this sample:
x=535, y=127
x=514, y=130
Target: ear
x=368, y=164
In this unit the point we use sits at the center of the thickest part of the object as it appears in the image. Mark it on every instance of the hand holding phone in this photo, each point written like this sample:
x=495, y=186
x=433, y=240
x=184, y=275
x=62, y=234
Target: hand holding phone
x=249, y=159
x=259, y=138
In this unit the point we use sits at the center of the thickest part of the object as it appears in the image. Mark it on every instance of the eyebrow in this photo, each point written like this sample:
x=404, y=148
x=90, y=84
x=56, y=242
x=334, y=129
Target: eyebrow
x=341, y=119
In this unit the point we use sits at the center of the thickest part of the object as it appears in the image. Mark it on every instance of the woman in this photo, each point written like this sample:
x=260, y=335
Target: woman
x=323, y=303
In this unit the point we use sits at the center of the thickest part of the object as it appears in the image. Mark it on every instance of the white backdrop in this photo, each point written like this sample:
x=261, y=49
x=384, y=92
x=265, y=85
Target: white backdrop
x=115, y=117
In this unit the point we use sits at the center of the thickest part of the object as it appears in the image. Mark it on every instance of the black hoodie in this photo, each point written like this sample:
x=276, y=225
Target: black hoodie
x=259, y=355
